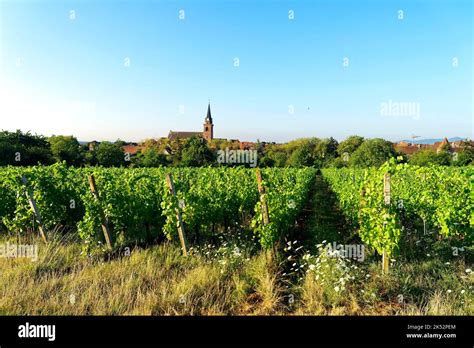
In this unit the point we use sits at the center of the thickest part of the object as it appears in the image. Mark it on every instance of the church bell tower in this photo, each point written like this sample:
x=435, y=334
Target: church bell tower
x=208, y=132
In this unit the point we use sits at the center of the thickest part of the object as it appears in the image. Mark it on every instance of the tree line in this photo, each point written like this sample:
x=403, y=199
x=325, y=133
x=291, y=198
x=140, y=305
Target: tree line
x=19, y=148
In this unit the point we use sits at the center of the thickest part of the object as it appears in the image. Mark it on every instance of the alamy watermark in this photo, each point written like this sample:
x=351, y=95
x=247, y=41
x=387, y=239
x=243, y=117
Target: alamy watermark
x=350, y=251
x=19, y=251
x=37, y=331
x=228, y=156
x=393, y=108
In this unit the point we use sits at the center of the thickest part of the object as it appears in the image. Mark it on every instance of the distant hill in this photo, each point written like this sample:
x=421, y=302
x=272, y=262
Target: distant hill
x=432, y=141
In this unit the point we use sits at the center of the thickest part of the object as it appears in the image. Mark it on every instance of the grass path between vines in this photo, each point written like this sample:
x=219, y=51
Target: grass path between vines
x=321, y=218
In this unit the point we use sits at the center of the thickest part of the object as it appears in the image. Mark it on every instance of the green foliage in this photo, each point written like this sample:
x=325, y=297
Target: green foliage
x=286, y=193
x=109, y=154
x=379, y=225
x=139, y=206
x=150, y=158
x=56, y=190
x=279, y=158
x=301, y=157
x=337, y=162
x=463, y=158
x=23, y=149
x=444, y=158
x=274, y=159
x=211, y=200
x=466, y=155
x=66, y=148
x=440, y=196
x=196, y=153
x=349, y=145
x=130, y=198
x=325, y=149
x=266, y=161
x=428, y=157
x=372, y=152
x=423, y=157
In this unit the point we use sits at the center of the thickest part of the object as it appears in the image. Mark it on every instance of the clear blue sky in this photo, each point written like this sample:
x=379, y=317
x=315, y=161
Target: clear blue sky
x=67, y=76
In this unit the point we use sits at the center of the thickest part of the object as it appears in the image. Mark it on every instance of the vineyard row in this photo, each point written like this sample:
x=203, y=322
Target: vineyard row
x=439, y=198
x=139, y=207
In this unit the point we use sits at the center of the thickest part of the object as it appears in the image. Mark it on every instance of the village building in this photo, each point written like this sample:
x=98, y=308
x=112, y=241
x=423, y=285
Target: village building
x=207, y=133
x=92, y=145
x=410, y=148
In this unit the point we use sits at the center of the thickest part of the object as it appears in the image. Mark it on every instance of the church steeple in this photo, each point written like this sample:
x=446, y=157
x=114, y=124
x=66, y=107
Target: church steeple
x=208, y=116
x=208, y=132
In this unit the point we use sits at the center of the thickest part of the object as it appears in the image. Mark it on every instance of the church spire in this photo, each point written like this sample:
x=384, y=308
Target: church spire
x=208, y=132
x=208, y=116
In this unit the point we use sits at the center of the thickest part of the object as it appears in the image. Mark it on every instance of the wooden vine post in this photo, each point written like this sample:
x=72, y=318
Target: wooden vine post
x=386, y=198
x=105, y=221
x=34, y=208
x=181, y=233
x=263, y=201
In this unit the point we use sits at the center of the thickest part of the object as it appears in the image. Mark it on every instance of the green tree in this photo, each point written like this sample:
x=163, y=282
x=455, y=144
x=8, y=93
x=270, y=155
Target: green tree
x=372, y=152
x=90, y=158
x=273, y=159
x=266, y=161
x=465, y=156
x=109, y=154
x=349, y=145
x=325, y=151
x=174, y=148
x=444, y=158
x=150, y=158
x=423, y=157
x=294, y=144
x=196, y=153
x=301, y=157
x=18, y=148
x=279, y=158
x=66, y=148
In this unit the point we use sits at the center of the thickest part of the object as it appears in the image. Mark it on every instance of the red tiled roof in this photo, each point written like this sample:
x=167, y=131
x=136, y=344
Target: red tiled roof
x=412, y=148
x=131, y=149
x=246, y=145
x=407, y=150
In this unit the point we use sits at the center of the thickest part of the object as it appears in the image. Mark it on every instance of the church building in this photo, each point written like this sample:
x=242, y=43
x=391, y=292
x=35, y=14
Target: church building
x=207, y=133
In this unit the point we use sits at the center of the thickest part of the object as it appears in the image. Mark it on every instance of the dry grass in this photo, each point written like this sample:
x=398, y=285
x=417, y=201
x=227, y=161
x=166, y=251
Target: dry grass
x=159, y=281
x=155, y=281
